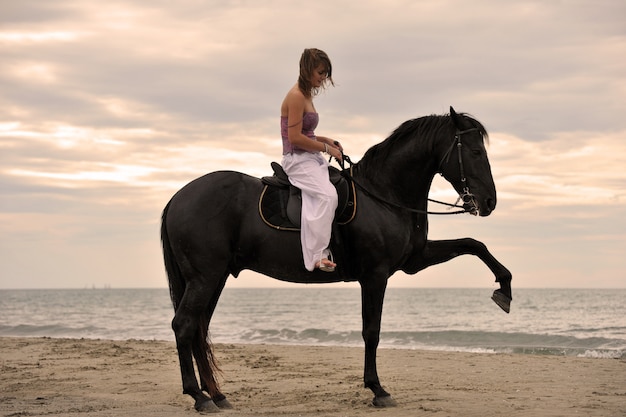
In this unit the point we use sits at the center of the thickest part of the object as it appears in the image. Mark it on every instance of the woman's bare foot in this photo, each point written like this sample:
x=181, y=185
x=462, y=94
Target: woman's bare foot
x=326, y=265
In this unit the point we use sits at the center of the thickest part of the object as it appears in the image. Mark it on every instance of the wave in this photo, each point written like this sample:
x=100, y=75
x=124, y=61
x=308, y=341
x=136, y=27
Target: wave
x=453, y=340
x=466, y=341
x=50, y=330
x=86, y=332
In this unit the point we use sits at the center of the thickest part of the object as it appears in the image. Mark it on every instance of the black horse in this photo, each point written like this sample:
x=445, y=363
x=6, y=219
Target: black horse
x=211, y=229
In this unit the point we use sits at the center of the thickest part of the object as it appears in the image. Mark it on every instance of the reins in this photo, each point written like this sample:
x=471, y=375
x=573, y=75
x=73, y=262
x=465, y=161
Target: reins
x=466, y=197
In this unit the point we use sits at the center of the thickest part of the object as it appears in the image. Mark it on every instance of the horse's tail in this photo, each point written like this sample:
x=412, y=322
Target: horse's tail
x=174, y=276
x=202, y=346
x=205, y=360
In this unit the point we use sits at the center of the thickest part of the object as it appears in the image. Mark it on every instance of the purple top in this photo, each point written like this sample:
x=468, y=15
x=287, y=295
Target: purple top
x=309, y=123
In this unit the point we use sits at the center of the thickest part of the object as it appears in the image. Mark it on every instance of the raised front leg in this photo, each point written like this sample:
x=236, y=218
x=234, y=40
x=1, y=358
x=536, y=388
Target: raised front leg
x=439, y=251
x=372, y=296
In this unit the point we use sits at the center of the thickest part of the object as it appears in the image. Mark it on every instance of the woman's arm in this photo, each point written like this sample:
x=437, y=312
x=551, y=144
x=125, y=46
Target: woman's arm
x=295, y=102
x=329, y=141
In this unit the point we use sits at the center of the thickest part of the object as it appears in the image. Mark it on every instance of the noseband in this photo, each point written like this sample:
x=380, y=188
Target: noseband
x=467, y=197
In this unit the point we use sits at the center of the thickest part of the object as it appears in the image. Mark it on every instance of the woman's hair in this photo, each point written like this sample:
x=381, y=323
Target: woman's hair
x=311, y=59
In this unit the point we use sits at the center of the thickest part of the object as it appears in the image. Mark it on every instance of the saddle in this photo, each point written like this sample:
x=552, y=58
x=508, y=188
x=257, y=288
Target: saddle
x=280, y=204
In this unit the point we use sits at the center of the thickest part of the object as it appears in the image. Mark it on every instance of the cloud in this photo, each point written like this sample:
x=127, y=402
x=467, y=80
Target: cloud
x=108, y=109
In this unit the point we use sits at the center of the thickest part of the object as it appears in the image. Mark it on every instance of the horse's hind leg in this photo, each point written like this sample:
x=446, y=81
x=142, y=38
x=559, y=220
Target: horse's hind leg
x=203, y=354
x=188, y=319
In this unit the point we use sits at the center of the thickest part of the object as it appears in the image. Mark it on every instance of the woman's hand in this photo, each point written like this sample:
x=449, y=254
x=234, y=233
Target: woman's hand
x=336, y=144
x=334, y=148
x=336, y=152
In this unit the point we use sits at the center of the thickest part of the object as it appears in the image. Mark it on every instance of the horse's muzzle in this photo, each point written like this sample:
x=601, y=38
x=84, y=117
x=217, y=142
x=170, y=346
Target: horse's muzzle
x=471, y=205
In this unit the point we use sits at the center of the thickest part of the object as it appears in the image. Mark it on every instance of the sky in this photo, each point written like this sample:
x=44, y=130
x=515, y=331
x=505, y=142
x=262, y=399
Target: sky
x=108, y=108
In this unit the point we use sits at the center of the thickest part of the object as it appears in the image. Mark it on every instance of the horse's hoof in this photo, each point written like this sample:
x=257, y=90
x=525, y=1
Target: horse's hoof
x=224, y=404
x=384, y=402
x=503, y=301
x=206, y=406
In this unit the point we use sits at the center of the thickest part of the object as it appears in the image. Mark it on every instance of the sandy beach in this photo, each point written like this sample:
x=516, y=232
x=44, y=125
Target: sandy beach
x=43, y=376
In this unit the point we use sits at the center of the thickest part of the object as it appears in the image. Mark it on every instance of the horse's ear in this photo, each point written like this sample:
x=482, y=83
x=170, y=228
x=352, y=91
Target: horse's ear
x=455, y=117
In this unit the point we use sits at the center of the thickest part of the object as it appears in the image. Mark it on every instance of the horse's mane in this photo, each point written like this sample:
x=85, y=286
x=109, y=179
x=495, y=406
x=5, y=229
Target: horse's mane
x=427, y=130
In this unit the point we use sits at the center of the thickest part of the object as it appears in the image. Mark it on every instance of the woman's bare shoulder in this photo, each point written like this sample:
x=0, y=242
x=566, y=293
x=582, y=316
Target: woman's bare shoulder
x=294, y=99
x=295, y=94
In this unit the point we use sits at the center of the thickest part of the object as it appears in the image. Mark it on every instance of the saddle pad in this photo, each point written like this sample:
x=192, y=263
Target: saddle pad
x=277, y=192
x=272, y=208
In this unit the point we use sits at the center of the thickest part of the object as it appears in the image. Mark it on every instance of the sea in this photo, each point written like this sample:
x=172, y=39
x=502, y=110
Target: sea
x=588, y=323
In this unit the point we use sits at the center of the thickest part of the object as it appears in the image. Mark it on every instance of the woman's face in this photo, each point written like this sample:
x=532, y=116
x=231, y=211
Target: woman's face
x=319, y=76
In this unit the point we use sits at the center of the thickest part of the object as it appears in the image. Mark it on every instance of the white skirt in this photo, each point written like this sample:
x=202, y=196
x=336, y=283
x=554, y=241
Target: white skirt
x=309, y=172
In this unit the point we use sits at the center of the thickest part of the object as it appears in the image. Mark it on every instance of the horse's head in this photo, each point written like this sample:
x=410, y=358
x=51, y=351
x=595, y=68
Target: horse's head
x=465, y=165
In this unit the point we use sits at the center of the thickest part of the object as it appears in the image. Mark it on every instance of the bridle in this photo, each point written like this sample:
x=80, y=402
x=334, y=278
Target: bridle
x=467, y=197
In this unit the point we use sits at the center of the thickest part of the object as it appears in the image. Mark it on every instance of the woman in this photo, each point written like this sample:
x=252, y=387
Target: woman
x=303, y=161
